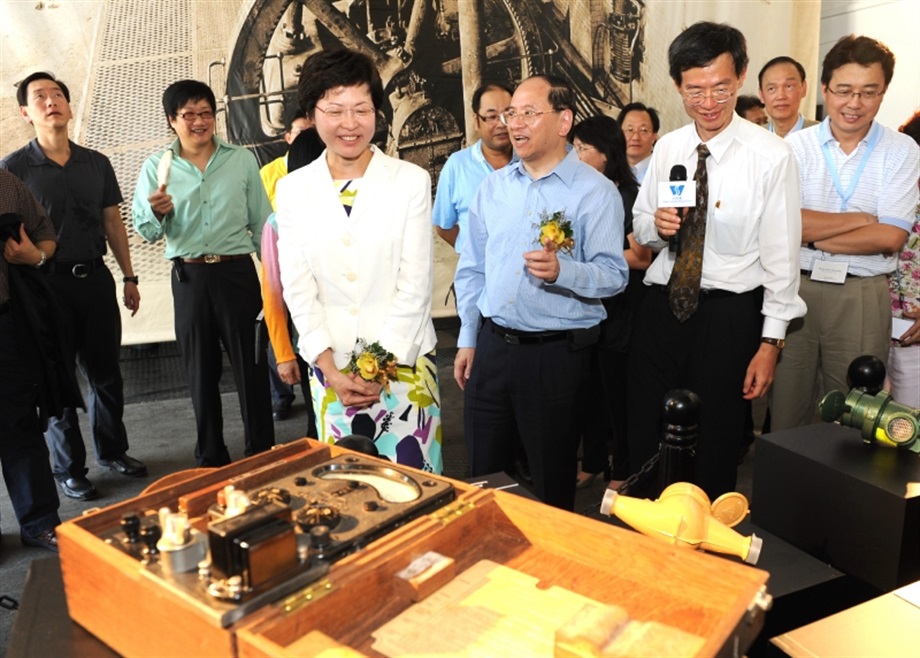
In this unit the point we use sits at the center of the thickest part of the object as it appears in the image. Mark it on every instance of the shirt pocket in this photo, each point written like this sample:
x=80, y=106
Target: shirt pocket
x=733, y=223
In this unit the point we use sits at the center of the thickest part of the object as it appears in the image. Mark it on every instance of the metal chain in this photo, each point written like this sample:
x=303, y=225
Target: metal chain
x=640, y=475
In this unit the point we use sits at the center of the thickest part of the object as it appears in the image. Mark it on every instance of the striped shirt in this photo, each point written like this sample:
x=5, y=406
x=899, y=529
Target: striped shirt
x=886, y=187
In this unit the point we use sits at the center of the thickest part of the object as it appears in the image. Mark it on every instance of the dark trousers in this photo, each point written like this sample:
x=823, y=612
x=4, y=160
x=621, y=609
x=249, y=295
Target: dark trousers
x=709, y=355
x=530, y=393
x=217, y=304
x=23, y=455
x=91, y=308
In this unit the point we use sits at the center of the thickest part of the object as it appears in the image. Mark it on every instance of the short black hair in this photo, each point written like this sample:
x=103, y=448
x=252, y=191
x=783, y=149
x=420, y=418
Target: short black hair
x=298, y=114
x=487, y=87
x=330, y=69
x=746, y=103
x=604, y=134
x=703, y=42
x=179, y=93
x=864, y=51
x=22, y=89
x=640, y=107
x=782, y=59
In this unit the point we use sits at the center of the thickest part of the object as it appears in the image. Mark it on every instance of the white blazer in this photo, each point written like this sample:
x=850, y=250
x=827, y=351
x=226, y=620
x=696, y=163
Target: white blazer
x=367, y=275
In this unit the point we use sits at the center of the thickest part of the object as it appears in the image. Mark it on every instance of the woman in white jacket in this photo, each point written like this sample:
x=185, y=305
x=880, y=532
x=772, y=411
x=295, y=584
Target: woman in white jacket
x=355, y=253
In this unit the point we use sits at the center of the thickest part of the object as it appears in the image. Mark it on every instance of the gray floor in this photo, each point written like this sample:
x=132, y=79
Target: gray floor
x=161, y=430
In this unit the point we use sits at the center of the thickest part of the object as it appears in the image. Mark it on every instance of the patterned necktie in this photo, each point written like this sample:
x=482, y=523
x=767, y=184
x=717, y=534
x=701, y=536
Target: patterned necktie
x=684, y=286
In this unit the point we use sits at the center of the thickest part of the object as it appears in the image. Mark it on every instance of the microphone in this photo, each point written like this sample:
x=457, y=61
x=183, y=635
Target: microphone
x=678, y=192
x=678, y=173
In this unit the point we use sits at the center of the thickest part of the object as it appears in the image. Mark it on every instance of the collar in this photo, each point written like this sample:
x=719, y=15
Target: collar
x=37, y=157
x=799, y=124
x=717, y=145
x=218, y=145
x=565, y=169
x=476, y=152
x=825, y=136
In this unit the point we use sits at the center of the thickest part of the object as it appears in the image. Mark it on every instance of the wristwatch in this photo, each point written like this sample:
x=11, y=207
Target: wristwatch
x=44, y=259
x=130, y=279
x=778, y=343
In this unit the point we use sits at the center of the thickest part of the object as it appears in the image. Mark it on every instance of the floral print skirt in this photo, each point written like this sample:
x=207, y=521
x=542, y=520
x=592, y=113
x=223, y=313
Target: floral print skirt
x=405, y=425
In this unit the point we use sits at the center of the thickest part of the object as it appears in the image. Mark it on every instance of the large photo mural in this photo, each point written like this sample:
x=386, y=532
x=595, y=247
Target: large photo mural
x=118, y=56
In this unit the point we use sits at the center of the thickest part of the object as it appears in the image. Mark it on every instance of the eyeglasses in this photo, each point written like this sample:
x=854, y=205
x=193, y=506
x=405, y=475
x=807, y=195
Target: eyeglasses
x=527, y=116
x=867, y=95
x=489, y=118
x=190, y=117
x=629, y=132
x=582, y=147
x=336, y=113
x=720, y=95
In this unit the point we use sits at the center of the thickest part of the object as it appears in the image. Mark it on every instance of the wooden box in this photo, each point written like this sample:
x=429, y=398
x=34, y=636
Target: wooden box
x=366, y=594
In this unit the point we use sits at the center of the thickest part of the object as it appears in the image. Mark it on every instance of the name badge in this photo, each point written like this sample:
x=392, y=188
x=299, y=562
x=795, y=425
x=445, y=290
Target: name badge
x=828, y=271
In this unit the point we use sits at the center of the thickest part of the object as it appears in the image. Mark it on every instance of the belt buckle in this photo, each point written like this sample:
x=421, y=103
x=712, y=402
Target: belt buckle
x=80, y=271
x=210, y=259
x=511, y=339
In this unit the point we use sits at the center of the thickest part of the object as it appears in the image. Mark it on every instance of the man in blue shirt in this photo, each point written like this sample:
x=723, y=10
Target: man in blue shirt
x=211, y=211
x=529, y=313
x=465, y=170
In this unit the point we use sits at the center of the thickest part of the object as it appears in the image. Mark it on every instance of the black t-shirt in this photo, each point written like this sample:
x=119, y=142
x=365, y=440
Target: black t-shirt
x=74, y=196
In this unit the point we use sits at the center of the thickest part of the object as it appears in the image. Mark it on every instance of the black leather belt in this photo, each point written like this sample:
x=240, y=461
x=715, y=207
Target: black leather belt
x=79, y=269
x=515, y=337
x=211, y=259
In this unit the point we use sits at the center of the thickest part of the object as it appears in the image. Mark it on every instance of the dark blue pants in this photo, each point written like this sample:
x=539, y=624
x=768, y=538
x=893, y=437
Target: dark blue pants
x=91, y=308
x=23, y=455
x=534, y=392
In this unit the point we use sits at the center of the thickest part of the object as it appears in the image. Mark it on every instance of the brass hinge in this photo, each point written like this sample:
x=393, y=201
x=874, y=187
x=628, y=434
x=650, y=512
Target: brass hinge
x=452, y=512
x=307, y=595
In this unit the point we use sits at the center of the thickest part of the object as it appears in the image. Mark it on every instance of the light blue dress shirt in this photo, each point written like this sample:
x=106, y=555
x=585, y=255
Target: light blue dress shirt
x=221, y=211
x=492, y=280
x=458, y=181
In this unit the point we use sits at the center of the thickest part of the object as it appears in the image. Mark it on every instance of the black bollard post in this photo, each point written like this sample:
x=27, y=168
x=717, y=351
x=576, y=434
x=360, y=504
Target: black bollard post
x=680, y=425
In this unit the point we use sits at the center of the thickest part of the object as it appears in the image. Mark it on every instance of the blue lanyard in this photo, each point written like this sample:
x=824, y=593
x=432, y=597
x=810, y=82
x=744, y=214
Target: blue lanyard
x=875, y=134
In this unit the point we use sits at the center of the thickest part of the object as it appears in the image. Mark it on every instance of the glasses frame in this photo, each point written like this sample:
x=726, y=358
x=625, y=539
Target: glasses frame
x=629, y=132
x=696, y=98
x=189, y=117
x=358, y=113
x=867, y=96
x=527, y=117
x=489, y=119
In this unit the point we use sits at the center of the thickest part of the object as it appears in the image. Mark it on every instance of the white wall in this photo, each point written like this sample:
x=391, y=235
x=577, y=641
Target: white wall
x=896, y=23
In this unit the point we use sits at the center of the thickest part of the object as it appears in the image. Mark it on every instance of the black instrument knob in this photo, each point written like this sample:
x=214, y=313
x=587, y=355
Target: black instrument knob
x=867, y=373
x=131, y=526
x=150, y=534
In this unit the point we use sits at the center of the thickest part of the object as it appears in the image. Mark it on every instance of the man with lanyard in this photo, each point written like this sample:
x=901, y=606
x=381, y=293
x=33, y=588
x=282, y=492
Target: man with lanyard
x=859, y=194
x=718, y=304
x=77, y=187
x=465, y=170
x=211, y=209
x=528, y=313
x=782, y=88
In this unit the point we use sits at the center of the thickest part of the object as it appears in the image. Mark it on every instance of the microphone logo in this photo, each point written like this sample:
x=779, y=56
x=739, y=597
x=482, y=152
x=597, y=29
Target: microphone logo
x=677, y=190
